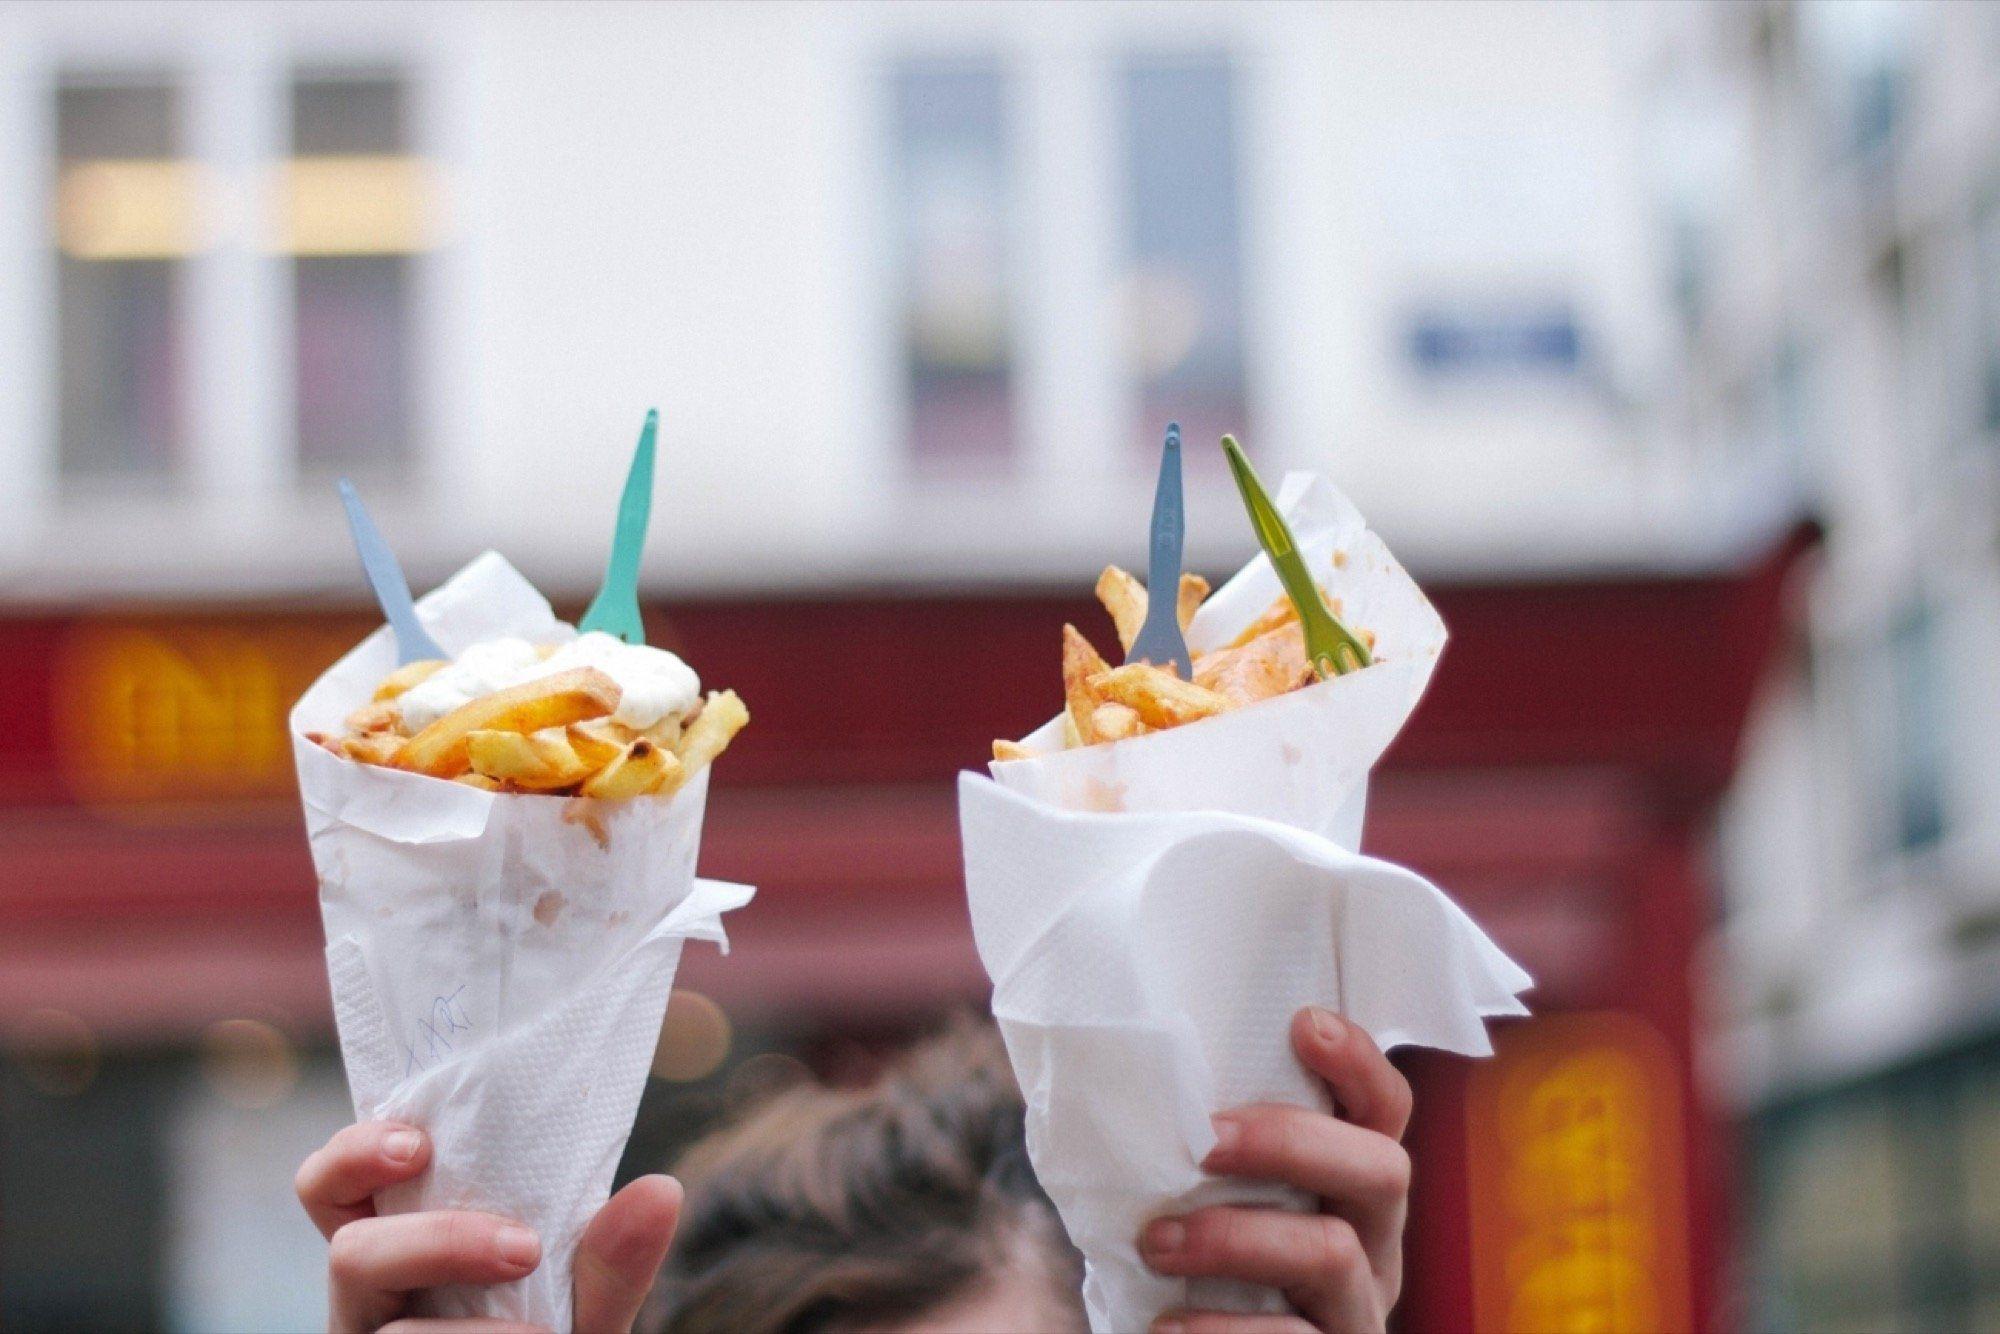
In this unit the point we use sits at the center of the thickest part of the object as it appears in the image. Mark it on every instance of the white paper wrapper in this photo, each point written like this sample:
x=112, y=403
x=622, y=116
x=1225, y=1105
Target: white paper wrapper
x=1152, y=912
x=499, y=971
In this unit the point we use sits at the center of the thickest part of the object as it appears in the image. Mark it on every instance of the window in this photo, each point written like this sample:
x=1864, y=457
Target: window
x=950, y=195
x=1986, y=258
x=124, y=226
x=1918, y=670
x=1184, y=287
x=353, y=208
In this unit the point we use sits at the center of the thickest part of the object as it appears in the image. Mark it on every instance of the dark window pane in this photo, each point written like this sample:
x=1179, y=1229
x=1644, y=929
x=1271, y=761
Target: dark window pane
x=348, y=114
x=951, y=196
x=119, y=307
x=1185, y=288
x=1920, y=720
x=115, y=120
x=354, y=349
x=355, y=345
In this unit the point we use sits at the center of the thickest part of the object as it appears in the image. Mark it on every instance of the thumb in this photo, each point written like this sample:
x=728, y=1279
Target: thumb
x=620, y=1253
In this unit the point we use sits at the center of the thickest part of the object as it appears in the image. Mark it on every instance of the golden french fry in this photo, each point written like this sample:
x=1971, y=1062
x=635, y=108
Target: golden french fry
x=409, y=674
x=1271, y=664
x=600, y=740
x=1071, y=737
x=1125, y=598
x=1114, y=722
x=722, y=716
x=371, y=747
x=1080, y=663
x=1011, y=750
x=442, y=749
x=1194, y=589
x=541, y=761
x=375, y=716
x=480, y=781
x=1160, y=698
x=642, y=767
x=1278, y=613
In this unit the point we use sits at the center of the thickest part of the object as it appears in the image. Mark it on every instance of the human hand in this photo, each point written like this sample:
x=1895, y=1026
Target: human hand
x=1341, y=1268
x=375, y=1264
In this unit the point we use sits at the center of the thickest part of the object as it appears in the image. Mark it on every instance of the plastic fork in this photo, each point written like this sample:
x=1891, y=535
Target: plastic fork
x=385, y=576
x=615, y=609
x=1329, y=644
x=1159, y=640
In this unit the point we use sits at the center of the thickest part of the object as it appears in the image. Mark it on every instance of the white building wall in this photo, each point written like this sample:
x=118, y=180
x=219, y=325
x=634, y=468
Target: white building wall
x=1859, y=247
x=683, y=205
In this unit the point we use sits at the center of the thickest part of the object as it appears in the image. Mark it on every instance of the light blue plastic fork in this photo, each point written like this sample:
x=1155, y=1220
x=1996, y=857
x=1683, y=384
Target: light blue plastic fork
x=385, y=576
x=1159, y=640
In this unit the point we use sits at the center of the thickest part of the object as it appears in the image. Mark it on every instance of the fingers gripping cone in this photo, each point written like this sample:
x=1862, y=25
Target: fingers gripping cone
x=1152, y=912
x=500, y=966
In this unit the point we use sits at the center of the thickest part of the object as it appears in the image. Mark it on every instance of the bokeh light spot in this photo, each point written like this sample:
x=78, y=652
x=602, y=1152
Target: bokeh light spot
x=56, y=1051
x=248, y=1063
x=694, y=1039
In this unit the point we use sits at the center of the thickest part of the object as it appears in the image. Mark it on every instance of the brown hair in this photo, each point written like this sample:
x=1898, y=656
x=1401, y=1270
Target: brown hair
x=830, y=1209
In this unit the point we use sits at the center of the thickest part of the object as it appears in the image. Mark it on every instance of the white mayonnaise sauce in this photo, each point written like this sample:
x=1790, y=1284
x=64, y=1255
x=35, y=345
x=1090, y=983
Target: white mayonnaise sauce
x=652, y=683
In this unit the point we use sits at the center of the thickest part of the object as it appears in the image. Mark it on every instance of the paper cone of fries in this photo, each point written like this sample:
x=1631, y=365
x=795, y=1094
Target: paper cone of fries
x=1153, y=911
x=500, y=964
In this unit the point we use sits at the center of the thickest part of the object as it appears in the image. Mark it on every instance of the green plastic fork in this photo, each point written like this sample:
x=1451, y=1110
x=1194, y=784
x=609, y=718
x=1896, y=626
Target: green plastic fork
x=615, y=609
x=1329, y=644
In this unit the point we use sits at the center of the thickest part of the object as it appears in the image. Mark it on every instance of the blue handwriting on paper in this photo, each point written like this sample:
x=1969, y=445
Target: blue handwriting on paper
x=432, y=1038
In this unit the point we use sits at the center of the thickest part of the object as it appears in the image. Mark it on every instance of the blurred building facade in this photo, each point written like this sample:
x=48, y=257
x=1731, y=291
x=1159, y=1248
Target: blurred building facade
x=1835, y=204
x=916, y=288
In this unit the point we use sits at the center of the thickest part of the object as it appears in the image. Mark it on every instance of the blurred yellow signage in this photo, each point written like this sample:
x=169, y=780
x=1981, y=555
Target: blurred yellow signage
x=1575, y=1180
x=186, y=710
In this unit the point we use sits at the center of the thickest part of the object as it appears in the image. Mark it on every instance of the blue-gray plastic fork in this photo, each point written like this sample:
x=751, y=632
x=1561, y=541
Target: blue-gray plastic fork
x=385, y=576
x=1159, y=640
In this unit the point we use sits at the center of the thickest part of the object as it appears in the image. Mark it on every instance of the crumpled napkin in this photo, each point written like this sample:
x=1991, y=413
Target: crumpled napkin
x=1153, y=911
x=500, y=964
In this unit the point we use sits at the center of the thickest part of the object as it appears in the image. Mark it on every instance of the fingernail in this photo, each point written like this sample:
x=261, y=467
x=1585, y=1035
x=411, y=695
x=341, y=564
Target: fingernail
x=400, y=1146
x=518, y=1247
x=1227, y=1132
x=1328, y=1025
x=1164, y=1238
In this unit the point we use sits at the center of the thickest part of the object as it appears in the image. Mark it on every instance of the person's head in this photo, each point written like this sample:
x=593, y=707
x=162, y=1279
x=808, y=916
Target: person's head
x=904, y=1206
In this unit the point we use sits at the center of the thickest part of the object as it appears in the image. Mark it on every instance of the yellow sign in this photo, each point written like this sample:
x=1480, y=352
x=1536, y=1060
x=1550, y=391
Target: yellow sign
x=1576, y=1180
x=177, y=711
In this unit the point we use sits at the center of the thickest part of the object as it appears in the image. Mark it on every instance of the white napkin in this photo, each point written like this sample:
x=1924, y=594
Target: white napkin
x=499, y=966
x=1153, y=911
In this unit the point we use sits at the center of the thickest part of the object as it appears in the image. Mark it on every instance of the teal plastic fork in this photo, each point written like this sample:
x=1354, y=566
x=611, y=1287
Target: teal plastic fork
x=1330, y=646
x=615, y=609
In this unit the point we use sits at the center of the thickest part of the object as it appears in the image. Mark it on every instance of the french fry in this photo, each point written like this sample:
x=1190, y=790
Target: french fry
x=1080, y=663
x=722, y=716
x=1271, y=664
x=1071, y=737
x=1011, y=750
x=1193, y=592
x=1114, y=722
x=442, y=750
x=1280, y=612
x=642, y=767
x=599, y=740
x=375, y=716
x=1125, y=598
x=372, y=747
x=541, y=761
x=1160, y=698
x=480, y=781
x=409, y=674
